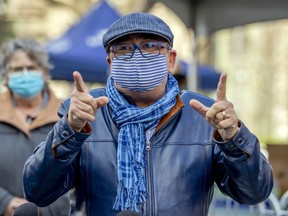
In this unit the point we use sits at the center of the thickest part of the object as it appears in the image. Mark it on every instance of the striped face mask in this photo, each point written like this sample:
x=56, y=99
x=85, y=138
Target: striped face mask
x=139, y=73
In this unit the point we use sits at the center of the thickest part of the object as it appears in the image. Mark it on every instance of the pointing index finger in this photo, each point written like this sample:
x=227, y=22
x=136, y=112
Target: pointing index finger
x=79, y=83
x=221, y=88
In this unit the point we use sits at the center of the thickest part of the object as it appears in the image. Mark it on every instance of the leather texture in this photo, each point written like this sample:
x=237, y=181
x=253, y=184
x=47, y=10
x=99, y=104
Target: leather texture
x=182, y=165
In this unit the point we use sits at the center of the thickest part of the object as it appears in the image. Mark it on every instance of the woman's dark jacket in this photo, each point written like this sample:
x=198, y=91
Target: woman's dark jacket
x=17, y=143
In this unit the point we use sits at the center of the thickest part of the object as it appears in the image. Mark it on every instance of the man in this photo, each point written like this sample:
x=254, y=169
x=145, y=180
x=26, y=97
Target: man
x=27, y=114
x=138, y=145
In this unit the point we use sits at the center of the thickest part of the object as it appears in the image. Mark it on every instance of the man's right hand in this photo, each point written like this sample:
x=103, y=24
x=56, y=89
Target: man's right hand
x=82, y=105
x=13, y=204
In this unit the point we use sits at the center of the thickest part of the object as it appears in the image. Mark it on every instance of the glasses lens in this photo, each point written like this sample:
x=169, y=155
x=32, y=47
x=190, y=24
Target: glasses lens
x=152, y=49
x=122, y=51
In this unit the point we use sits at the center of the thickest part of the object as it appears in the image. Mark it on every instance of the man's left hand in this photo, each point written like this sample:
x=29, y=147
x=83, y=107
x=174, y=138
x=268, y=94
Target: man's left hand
x=221, y=115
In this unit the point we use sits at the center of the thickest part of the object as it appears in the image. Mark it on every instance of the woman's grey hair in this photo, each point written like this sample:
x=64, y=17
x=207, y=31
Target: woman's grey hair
x=30, y=46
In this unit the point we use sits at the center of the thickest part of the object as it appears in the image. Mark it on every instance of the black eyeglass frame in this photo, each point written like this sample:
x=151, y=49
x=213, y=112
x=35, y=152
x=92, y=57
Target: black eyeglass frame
x=160, y=45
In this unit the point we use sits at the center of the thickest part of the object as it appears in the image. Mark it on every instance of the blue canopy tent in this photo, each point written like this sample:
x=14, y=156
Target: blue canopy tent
x=207, y=76
x=80, y=48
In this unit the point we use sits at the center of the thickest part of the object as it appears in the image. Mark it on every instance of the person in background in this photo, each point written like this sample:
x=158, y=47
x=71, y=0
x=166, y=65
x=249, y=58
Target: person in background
x=28, y=111
x=142, y=145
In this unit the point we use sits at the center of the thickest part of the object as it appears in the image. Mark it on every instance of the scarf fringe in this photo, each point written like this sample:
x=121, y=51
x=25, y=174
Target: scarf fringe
x=130, y=198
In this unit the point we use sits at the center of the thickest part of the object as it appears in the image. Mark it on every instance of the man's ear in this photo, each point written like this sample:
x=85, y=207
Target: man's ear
x=172, y=61
x=108, y=59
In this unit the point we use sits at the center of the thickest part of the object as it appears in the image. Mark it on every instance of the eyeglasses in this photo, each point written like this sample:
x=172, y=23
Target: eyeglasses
x=147, y=49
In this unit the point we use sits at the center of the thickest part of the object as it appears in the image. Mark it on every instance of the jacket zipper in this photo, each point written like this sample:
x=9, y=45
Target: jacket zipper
x=148, y=150
x=149, y=205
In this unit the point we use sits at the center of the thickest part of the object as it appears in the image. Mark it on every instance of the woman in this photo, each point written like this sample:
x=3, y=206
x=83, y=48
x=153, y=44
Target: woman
x=28, y=112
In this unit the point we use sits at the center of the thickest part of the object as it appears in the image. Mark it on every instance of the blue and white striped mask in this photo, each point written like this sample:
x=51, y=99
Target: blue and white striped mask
x=139, y=73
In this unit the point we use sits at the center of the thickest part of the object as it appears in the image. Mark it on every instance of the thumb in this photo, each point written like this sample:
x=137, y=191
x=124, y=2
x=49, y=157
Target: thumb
x=79, y=83
x=198, y=106
x=101, y=101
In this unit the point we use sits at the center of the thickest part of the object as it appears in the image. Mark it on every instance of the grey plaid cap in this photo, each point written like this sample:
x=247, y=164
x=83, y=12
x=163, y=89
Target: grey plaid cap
x=137, y=23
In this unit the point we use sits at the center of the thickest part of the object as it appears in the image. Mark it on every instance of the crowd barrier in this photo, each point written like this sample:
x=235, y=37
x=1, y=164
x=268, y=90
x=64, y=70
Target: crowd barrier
x=223, y=205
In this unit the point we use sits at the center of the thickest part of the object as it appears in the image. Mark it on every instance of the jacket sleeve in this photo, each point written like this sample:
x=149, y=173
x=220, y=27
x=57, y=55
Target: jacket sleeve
x=50, y=171
x=242, y=171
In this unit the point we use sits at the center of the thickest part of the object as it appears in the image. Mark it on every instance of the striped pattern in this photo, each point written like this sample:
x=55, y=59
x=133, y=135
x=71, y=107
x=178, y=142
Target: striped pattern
x=133, y=121
x=139, y=73
x=137, y=23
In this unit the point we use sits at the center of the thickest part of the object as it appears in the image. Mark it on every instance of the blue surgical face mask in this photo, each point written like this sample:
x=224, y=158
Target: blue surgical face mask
x=26, y=84
x=139, y=73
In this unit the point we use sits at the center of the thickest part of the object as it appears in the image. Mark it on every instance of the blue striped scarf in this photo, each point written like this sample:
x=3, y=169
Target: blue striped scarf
x=133, y=121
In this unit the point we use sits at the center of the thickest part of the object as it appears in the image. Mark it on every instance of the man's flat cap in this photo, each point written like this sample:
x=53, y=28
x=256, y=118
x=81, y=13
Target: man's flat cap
x=144, y=23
